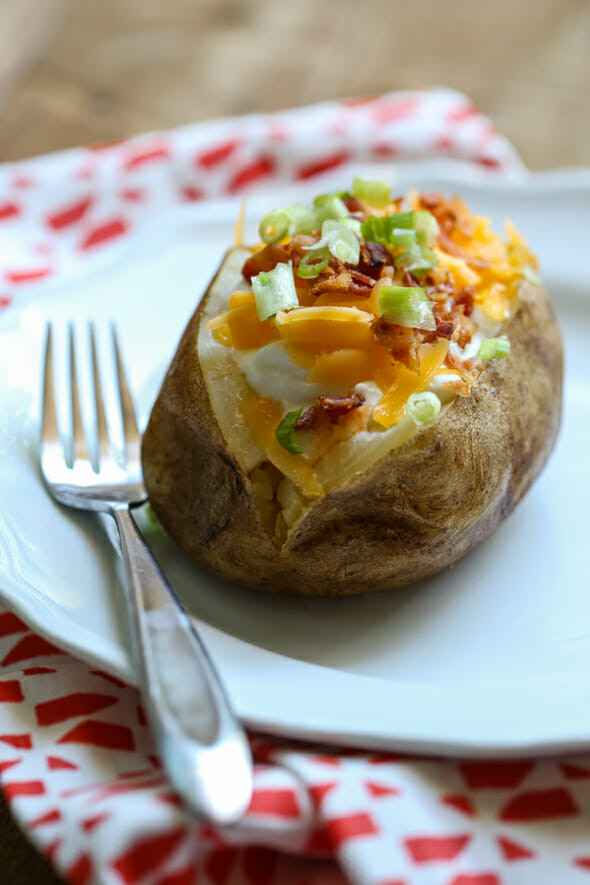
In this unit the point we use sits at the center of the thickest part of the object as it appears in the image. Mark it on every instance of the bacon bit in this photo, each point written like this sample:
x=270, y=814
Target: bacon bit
x=340, y=283
x=468, y=369
x=331, y=407
x=442, y=290
x=466, y=298
x=431, y=200
x=355, y=206
x=374, y=256
x=265, y=260
x=400, y=342
x=362, y=278
x=443, y=330
x=460, y=387
x=409, y=279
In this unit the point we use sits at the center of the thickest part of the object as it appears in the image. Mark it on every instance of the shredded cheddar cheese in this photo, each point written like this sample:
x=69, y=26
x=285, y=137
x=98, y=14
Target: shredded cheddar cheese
x=336, y=338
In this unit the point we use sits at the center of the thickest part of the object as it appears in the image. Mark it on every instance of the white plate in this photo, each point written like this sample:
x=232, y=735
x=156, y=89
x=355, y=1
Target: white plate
x=492, y=656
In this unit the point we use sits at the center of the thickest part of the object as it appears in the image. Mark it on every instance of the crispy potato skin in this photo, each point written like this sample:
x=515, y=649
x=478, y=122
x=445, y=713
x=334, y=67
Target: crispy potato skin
x=419, y=509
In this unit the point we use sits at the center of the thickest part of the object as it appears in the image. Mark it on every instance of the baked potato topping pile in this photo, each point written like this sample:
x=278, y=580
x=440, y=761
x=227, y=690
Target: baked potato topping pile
x=352, y=324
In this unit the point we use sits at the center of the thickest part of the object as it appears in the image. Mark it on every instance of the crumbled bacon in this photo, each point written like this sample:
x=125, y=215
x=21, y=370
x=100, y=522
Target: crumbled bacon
x=400, y=342
x=466, y=297
x=460, y=387
x=409, y=279
x=431, y=200
x=374, y=256
x=265, y=260
x=332, y=408
x=443, y=330
x=355, y=206
x=340, y=283
x=442, y=289
x=468, y=369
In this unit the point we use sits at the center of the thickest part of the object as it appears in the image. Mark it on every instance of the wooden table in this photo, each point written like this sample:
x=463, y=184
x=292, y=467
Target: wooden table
x=80, y=71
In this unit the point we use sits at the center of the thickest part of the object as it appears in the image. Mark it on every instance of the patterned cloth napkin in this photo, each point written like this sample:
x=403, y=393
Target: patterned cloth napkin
x=76, y=760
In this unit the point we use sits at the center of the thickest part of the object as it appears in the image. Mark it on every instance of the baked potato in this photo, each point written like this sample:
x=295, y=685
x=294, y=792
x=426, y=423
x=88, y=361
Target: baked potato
x=359, y=400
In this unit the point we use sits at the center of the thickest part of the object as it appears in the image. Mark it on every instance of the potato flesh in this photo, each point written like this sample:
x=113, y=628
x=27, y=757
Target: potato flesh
x=226, y=385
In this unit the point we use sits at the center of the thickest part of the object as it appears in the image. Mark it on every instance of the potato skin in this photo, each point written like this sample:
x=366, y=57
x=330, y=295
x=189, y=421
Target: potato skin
x=417, y=510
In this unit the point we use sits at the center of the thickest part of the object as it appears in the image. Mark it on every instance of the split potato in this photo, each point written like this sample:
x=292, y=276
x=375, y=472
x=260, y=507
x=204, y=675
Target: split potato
x=381, y=508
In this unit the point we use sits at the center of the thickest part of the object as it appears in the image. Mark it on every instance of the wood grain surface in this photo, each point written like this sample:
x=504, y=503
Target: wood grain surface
x=82, y=71
x=79, y=71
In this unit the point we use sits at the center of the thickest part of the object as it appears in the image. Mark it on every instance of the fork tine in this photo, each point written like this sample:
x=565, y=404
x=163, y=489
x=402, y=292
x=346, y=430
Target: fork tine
x=78, y=440
x=49, y=426
x=102, y=431
x=130, y=430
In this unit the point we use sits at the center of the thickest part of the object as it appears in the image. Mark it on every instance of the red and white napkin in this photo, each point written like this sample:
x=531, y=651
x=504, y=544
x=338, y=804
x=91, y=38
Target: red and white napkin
x=76, y=760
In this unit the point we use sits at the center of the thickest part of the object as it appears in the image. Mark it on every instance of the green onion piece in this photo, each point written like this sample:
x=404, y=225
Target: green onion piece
x=329, y=206
x=372, y=230
x=273, y=227
x=426, y=228
x=530, y=275
x=302, y=219
x=377, y=230
x=374, y=193
x=403, y=239
x=417, y=260
x=341, y=241
x=407, y=306
x=423, y=407
x=381, y=230
x=274, y=290
x=493, y=349
x=353, y=223
x=403, y=219
x=284, y=432
x=312, y=264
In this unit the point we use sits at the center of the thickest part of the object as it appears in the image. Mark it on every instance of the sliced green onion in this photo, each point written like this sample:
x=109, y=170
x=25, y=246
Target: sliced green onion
x=493, y=349
x=374, y=193
x=375, y=230
x=423, y=407
x=312, y=264
x=353, y=223
x=329, y=206
x=341, y=241
x=403, y=239
x=417, y=260
x=302, y=219
x=274, y=290
x=284, y=432
x=427, y=229
x=380, y=230
x=530, y=275
x=273, y=227
x=407, y=306
x=403, y=219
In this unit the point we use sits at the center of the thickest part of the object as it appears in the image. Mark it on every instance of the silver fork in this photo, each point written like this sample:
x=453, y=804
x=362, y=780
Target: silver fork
x=203, y=747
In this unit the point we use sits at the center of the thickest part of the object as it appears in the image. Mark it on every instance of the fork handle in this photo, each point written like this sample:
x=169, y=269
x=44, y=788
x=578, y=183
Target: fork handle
x=203, y=747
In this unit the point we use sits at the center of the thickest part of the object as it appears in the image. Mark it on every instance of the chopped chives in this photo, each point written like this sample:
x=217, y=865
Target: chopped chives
x=274, y=290
x=313, y=263
x=285, y=430
x=423, y=407
x=426, y=228
x=374, y=193
x=273, y=227
x=493, y=349
x=407, y=306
